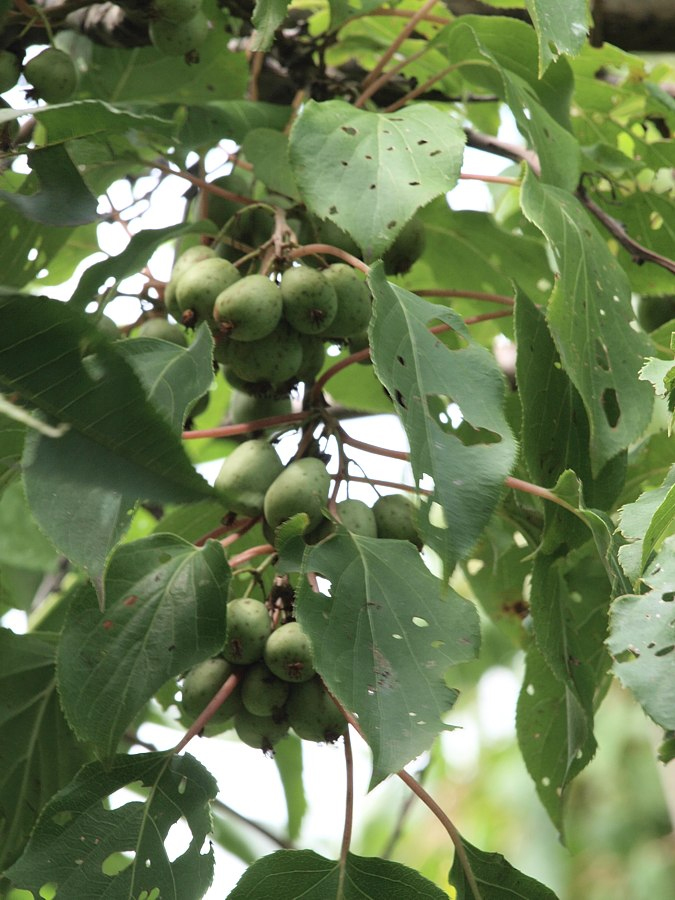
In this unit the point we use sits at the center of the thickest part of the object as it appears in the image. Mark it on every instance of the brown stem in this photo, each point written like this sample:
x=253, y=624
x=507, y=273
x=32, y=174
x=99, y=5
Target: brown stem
x=251, y=553
x=337, y=367
x=514, y=152
x=328, y=249
x=392, y=484
x=527, y=487
x=406, y=14
x=375, y=86
x=421, y=88
x=243, y=428
x=349, y=813
x=470, y=295
x=493, y=179
x=405, y=33
x=372, y=448
x=205, y=716
x=279, y=841
x=204, y=185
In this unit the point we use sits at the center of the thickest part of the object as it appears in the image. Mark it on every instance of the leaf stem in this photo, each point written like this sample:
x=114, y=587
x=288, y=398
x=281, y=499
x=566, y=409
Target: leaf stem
x=330, y=250
x=251, y=553
x=421, y=88
x=517, y=484
x=492, y=179
x=372, y=448
x=349, y=813
x=244, y=427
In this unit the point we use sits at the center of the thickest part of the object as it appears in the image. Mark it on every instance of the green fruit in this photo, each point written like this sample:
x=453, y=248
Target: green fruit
x=201, y=684
x=258, y=389
x=288, y=654
x=244, y=408
x=250, y=309
x=313, y=356
x=247, y=629
x=356, y=517
x=360, y=342
x=189, y=257
x=10, y=69
x=52, y=74
x=309, y=300
x=354, y=303
x=406, y=249
x=301, y=488
x=396, y=518
x=170, y=304
x=176, y=10
x=246, y=475
x=274, y=359
x=198, y=287
x=165, y=331
x=262, y=693
x=312, y=714
x=652, y=312
x=179, y=40
x=259, y=732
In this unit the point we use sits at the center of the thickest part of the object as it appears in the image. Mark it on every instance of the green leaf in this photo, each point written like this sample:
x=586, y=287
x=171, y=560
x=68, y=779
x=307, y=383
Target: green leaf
x=206, y=124
x=398, y=161
x=130, y=449
x=642, y=639
x=288, y=760
x=12, y=435
x=22, y=544
x=165, y=612
x=267, y=17
x=383, y=640
x=468, y=463
x=643, y=524
x=63, y=198
x=76, y=834
x=267, y=151
x=589, y=316
x=26, y=246
x=289, y=874
x=495, y=877
x=561, y=27
x=38, y=752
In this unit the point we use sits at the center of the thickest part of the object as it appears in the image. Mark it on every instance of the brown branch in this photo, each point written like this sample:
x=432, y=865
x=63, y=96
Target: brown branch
x=404, y=34
x=514, y=152
x=204, y=185
x=421, y=88
x=375, y=86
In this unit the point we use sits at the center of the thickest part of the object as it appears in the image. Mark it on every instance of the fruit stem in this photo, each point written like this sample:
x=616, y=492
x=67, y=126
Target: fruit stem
x=205, y=716
x=251, y=553
x=349, y=812
x=372, y=448
x=330, y=250
x=244, y=427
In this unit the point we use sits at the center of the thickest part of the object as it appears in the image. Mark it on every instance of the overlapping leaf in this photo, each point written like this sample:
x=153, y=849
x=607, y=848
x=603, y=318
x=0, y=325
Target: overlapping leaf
x=643, y=524
x=561, y=27
x=468, y=463
x=495, y=877
x=383, y=640
x=76, y=835
x=267, y=17
x=165, y=612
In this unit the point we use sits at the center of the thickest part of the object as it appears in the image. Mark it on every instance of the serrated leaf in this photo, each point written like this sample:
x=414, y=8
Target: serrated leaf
x=424, y=377
x=560, y=27
x=495, y=877
x=63, y=198
x=165, y=612
x=643, y=523
x=267, y=17
x=383, y=640
x=289, y=874
x=76, y=834
x=589, y=315
x=131, y=449
x=398, y=161
x=38, y=752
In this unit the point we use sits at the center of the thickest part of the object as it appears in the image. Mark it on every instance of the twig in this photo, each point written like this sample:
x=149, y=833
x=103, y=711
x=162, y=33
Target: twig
x=251, y=553
x=514, y=152
x=204, y=185
x=375, y=86
x=243, y=428
x=372, y=448
x=279, y=841
x=421, y=88
x=400, y=39
x=328, y=249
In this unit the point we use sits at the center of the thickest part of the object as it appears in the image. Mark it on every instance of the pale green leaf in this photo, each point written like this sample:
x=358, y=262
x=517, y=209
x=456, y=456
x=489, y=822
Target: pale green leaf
x=76, y=834
x=165, y=612
x=395, y=162
x=495, y=877
x=643, y=523
x=561, y=27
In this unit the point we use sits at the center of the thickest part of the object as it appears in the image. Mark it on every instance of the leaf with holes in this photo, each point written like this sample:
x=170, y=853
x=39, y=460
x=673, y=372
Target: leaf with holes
x=383, y=640
x=38, y=752
x=77, y=837
x=589, y=315
x=395, y=162
x=495, y=877
x=642, y=639
x=644, y=523
x=450, y=402
x=165, y=612
x=289, y=874
x=560, y=27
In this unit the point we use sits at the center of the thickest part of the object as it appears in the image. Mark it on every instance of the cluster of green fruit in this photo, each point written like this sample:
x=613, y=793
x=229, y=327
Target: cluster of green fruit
x=278, y=687
x=253, y=481
x=51, y=73
x=268, y=335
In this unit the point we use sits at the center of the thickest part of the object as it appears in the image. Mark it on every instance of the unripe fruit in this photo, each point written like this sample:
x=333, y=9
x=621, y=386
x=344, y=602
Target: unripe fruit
x=10, y=69
x=246, y=475
x=252, y=388
x=201, y=684
x=310, y=302
x=244, y=408
x=312, y=714
x=219, y=209
x=189, y=257
x=247, y=630
x=179, y=41
x=406, y=249
x=250, y=309
x=259, y=732
x=313, y=356
x=275, y=358
x=176, y=10
x=197, y=289
x=301, y=488
x=52, y=74
x=360, y=342
x=354, y=304
x=165, y=331
x=396, y=518
x=356, y=517
x=262, y=693
x=170, y=303
x=288, y=653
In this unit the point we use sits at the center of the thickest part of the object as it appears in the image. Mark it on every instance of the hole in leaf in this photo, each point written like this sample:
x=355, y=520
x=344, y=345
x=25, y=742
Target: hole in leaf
x=398, y=637
x=610, y=407
x=413, y=183
x=546, y=781
x=437, y=644
x=421, y=142
x=117, y=862
x=474, y=566
x=450, y=420
x=391, y=223
x=368, y=156
x=420, y=622
x=178, y=839
x=529, y=690
x=400, y=400
x=628, y=655
x=400, y=360
x=48, y=890
x=601, y=356
x=435, y=153
x=343, y=162
x=333, y=210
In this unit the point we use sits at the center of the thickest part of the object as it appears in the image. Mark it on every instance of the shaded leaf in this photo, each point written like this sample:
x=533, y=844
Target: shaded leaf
x=38, y=752
x=267, y=17
x=289, y=874
x=468, y=463
x=495, y=877
x=399, y=161
x=288, y=760
x=76, y=835
x=11, y=447
x=206, y=124
x=165, y=612
x=561, y=27
x=267, y=151
x=383, y=640
x=22, y=544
